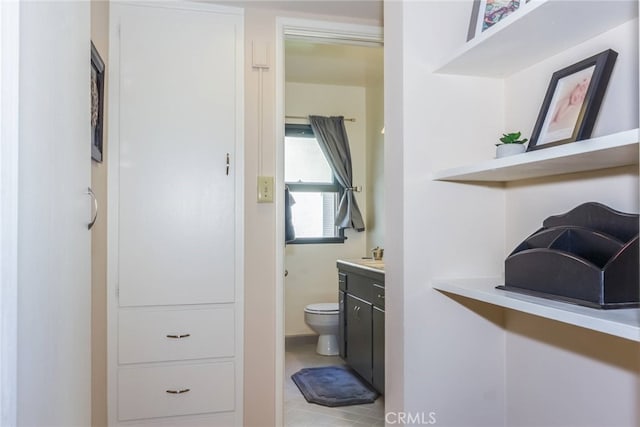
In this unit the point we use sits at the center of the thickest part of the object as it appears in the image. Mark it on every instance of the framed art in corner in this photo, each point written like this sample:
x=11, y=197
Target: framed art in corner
x=572, y=101
x=97, y=104
x=486, y=13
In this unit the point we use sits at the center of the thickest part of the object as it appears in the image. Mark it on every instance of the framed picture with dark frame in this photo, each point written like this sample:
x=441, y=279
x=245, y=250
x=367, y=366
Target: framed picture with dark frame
x=572, y=101
x=486, y=13
x=97, y=104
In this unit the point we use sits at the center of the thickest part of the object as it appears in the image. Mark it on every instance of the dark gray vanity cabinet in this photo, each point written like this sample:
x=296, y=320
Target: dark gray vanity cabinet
x=361, y=340
x=341, y=337
x=377, y=346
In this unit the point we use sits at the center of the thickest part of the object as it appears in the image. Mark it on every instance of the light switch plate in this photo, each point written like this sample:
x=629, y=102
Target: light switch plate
x=259, y=54
x=265, y=189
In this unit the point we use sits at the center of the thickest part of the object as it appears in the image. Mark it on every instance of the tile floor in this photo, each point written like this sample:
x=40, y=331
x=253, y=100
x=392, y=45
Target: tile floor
x=299, y=413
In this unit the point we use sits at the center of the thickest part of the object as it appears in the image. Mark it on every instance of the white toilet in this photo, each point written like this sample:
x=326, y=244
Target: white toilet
x=323, y=319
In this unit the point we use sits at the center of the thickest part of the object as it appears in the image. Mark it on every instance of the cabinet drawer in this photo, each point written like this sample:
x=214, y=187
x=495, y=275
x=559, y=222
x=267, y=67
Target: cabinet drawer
x=162, y=391
x=164, y=335
x=377, y=295
x=342, y=281
x=359, y=286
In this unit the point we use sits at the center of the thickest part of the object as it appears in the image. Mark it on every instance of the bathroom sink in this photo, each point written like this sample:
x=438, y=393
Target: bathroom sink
x=365, y=263
x=373, y=263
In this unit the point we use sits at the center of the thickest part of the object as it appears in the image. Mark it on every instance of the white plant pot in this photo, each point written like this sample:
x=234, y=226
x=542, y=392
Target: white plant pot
x=504, y=150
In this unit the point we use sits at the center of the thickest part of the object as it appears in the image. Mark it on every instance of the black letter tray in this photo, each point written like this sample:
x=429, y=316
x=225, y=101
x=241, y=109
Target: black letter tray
x=588, y=256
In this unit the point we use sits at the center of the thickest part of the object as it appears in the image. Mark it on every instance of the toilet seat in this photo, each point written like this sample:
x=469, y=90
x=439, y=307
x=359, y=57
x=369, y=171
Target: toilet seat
x=322, y=308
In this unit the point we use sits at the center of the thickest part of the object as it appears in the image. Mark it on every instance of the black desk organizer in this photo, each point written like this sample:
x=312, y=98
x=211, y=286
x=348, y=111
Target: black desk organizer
x=588, y=256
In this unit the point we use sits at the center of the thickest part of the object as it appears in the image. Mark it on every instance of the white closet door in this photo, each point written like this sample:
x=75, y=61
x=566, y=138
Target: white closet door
x=54, y=244
x=177, y=79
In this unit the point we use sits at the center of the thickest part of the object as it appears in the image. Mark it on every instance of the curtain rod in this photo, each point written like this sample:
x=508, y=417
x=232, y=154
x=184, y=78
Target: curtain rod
x=307, y=118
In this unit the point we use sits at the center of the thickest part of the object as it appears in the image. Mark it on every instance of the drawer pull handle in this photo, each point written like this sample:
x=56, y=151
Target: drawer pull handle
x=184, y=390
x=179, y=336
x=380, y=296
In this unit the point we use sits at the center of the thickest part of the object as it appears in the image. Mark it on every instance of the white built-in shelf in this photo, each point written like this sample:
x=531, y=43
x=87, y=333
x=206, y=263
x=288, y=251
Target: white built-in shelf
x=538, y=30
x=619, y=149
x=623, y=323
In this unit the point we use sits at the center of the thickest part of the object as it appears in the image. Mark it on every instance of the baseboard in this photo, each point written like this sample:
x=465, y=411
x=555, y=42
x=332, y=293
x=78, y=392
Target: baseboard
x=299, y=340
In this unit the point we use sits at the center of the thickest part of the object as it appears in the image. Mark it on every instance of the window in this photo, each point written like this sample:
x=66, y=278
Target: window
x=313, y=186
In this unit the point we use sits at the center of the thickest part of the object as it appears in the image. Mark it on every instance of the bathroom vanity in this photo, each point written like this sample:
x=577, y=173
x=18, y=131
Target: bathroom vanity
x=361, y=303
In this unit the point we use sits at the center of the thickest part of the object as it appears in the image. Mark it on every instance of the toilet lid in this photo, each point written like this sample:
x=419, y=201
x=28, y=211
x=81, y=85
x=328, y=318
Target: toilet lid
x=322, y=308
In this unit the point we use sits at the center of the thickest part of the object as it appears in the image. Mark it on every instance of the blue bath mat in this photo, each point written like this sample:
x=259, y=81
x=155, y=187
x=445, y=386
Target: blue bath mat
x=333, y=386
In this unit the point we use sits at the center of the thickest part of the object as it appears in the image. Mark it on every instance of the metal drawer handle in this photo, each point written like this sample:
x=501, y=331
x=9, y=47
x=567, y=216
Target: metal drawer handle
x=184, y=390
x=179, y=336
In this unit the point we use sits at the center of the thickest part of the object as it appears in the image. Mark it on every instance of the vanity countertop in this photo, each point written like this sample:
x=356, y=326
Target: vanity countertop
x=376, y=266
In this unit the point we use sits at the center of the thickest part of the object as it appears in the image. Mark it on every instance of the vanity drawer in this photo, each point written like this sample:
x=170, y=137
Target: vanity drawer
x=162, y=391
x=169, y=334
x=359, y=286
x=342, y=281
x=377, y=295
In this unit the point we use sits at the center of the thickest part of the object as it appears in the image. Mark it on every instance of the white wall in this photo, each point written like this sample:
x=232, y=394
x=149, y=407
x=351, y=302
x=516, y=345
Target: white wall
x=441, y=229
x=375, y=166
x=312, y=270
x=470, y=363
x=261, y=328
x=100, y=38
x=54, y=292
x=9, y=135
x=619, y=111
x=260, y=246
x=394, y=218
x=555, y=366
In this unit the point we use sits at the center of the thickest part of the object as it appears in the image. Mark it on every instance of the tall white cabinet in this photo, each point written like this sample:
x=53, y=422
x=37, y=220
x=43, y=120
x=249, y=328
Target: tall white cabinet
x=175, y=214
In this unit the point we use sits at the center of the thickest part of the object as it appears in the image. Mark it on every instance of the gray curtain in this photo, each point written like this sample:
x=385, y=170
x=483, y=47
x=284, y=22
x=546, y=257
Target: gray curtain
x=332, y=137
x=289, y=230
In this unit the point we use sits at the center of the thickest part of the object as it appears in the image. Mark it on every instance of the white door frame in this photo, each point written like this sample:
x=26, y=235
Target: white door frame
x=331, y=32
x=9, y=88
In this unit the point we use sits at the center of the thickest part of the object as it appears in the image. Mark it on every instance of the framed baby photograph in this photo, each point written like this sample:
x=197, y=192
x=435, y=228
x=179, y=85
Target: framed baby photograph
x=572, y=101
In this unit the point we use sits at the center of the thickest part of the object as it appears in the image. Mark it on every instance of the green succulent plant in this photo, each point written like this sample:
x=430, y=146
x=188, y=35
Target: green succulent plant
x=512, y=138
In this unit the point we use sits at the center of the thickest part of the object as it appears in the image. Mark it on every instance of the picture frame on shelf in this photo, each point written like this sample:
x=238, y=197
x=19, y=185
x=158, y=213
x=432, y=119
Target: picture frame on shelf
x=97, y=104
x=486, y=13
x=572, y=101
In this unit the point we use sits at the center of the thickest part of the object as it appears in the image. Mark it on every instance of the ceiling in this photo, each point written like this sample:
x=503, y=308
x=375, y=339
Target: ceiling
x=333, y=64
x=369, y=10
x=328, y=63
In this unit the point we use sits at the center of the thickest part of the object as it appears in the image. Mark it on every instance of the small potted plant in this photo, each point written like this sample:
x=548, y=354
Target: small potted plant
x=510, y=144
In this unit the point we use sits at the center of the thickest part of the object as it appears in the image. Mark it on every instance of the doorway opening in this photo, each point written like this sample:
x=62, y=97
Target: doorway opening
x=325, y=69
